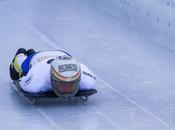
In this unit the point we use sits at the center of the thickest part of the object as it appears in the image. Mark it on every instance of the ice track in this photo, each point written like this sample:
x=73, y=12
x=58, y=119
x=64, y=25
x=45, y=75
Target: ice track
x=135, y=74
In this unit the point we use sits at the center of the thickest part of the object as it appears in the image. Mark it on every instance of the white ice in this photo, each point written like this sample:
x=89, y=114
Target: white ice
x=128, y=45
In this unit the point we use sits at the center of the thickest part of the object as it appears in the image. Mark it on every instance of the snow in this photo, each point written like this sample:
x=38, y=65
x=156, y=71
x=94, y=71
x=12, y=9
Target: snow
x=131, y=56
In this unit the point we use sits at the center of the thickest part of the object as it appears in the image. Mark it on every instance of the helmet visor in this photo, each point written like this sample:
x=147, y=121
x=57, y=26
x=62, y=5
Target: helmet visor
x=64, y=89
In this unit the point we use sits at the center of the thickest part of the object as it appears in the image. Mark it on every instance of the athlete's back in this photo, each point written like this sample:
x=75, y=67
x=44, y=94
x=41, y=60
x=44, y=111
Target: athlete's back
x=47, y=55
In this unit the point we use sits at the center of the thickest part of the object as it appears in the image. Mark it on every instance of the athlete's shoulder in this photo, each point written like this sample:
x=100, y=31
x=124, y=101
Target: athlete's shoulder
x=86, y=71
x=48, y=55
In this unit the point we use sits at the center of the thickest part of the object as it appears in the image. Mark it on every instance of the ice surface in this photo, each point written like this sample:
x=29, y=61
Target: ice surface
x=135, y=75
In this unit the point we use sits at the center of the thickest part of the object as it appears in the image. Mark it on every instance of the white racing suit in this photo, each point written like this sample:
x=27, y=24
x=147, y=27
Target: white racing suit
x=37, y=77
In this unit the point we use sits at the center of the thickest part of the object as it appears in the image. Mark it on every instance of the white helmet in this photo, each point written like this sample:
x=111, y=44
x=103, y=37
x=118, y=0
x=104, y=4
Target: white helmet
x=65, y=76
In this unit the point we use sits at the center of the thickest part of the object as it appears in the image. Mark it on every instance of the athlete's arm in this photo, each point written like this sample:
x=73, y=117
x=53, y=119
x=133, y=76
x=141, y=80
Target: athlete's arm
x=88, y=79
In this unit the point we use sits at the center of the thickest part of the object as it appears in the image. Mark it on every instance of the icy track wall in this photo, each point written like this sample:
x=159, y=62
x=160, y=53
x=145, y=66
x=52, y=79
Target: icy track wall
x=153, y=18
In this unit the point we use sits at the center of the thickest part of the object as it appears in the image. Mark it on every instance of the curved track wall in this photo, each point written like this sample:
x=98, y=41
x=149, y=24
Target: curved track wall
x=154, y=18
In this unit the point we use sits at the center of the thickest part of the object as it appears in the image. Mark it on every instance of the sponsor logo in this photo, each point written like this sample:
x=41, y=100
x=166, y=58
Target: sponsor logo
x=28, y=80
x=90, y=75
x=67, y=67
x=46, y=58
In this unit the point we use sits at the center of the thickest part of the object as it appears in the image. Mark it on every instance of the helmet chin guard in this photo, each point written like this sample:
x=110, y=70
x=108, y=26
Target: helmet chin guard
x=65, y=76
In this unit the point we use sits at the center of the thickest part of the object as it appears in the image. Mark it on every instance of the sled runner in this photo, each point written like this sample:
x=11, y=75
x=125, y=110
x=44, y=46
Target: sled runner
x=32, y=97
